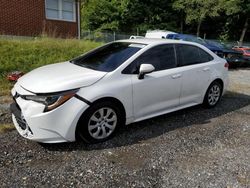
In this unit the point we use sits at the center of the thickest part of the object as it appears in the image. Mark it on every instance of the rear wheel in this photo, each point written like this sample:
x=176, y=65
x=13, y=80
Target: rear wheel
x=213, y=95
x=99, y=122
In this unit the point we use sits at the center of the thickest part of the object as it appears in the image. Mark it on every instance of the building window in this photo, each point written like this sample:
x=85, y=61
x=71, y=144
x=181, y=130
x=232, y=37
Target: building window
x=61, y=10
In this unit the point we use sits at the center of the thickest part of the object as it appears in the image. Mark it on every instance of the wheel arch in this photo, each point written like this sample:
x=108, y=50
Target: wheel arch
x=215, y=80
x=116, y=101
x=113, y=100
x=219, y=80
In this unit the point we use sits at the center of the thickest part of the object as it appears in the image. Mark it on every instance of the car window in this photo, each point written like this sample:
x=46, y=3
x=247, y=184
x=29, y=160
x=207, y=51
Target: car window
x=161, y=57
x=170, y=36
x=108, y=57
x=190, y=55
x=204, y=56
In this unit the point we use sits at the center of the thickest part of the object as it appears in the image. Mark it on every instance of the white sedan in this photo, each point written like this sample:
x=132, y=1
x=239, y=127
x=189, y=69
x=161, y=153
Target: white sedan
x=122, y=82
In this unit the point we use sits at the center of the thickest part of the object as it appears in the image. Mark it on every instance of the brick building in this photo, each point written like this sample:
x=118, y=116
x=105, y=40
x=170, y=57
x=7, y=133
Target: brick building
x=56, y=18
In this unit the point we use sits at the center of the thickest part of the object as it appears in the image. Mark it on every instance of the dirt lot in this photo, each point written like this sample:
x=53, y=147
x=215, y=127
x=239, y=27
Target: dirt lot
x=195, y=147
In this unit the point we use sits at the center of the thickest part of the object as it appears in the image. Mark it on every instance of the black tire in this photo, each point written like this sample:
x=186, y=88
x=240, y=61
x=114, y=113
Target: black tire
x=207, y=99
x=82, y=130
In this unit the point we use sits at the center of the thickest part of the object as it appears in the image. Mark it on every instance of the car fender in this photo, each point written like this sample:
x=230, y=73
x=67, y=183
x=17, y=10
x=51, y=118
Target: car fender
x=106, y=89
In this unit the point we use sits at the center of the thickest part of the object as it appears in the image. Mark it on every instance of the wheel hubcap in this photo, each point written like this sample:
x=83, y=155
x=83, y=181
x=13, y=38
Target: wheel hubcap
x=214, y=95
x=102, y=123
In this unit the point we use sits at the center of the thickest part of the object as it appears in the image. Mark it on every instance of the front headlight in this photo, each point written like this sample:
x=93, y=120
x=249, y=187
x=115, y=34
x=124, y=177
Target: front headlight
x=51, y=101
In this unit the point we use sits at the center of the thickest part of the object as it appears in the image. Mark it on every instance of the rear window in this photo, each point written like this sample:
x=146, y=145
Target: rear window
x=190, y=55
x=107, y=58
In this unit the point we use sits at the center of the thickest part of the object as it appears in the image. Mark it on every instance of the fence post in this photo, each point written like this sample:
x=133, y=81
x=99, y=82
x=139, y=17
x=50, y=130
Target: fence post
x=114, y=35
x=89, y=34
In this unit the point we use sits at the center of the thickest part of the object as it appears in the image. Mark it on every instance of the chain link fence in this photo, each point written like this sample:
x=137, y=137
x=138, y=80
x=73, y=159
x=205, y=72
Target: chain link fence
x=104, y=36
x=112, y=36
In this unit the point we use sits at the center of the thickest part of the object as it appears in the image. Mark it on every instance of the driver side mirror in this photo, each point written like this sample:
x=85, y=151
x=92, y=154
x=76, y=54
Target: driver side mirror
x=145, y=69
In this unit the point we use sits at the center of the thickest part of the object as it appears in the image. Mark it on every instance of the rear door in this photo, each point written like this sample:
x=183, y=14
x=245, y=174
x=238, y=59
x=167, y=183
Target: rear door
x=195, y=65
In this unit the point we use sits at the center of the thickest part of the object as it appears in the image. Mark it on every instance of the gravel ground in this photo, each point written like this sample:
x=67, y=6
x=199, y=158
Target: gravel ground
x=195, y=147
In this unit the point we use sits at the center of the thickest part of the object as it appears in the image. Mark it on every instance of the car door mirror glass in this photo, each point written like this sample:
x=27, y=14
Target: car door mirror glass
x=145, y=69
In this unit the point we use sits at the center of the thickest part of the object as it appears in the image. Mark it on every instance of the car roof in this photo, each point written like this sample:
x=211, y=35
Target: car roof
x=152, y=41
x=161, y=31
x=185, y=35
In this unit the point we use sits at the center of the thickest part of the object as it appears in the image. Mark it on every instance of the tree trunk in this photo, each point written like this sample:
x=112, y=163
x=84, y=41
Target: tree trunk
x=243, y=33
x=182, y=22
x=198, y=28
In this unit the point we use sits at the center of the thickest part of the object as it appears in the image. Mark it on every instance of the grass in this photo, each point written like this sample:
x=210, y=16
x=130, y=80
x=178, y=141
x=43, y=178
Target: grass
x=25, y=55
x=6, y=128
x=5, y=99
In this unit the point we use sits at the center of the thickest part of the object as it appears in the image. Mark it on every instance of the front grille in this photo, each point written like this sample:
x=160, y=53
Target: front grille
x=21, y=122
x=15, y=109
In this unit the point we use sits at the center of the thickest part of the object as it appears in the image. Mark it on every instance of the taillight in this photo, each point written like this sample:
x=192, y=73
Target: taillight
x=226, y=65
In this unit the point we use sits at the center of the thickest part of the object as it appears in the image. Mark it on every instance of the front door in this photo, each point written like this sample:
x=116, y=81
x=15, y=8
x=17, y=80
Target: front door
x=159, y=90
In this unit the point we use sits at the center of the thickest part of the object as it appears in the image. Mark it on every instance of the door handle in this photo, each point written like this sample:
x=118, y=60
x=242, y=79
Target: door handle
x=206, y=69
x=176, y=76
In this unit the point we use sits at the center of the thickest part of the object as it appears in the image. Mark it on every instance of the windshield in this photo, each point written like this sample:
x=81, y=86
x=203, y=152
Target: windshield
x=107, y=58
x=199, y=40
x=190, y=38
x=217, y=44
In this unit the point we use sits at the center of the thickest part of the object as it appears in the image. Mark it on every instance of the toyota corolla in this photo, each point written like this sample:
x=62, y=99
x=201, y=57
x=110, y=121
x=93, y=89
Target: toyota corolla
x=122, y=82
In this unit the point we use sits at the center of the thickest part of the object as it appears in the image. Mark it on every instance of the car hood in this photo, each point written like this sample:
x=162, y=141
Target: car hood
x=59, y=77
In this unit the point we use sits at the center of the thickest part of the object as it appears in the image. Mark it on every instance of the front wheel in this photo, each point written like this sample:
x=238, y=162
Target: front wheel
x=99, y=122
x=213, y=95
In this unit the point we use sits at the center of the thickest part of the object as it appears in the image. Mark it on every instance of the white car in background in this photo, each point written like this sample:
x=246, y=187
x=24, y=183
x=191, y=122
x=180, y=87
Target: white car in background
x=122, y=82
x=136, y=37
x=158, y=34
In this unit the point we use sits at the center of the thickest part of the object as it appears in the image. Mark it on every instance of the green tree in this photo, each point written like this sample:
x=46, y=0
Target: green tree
x=196, y=11
x=239, y=9
x=227, y=18
x=149, y=14
x=128, y=15
x=100, y=14
x=245, y=11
